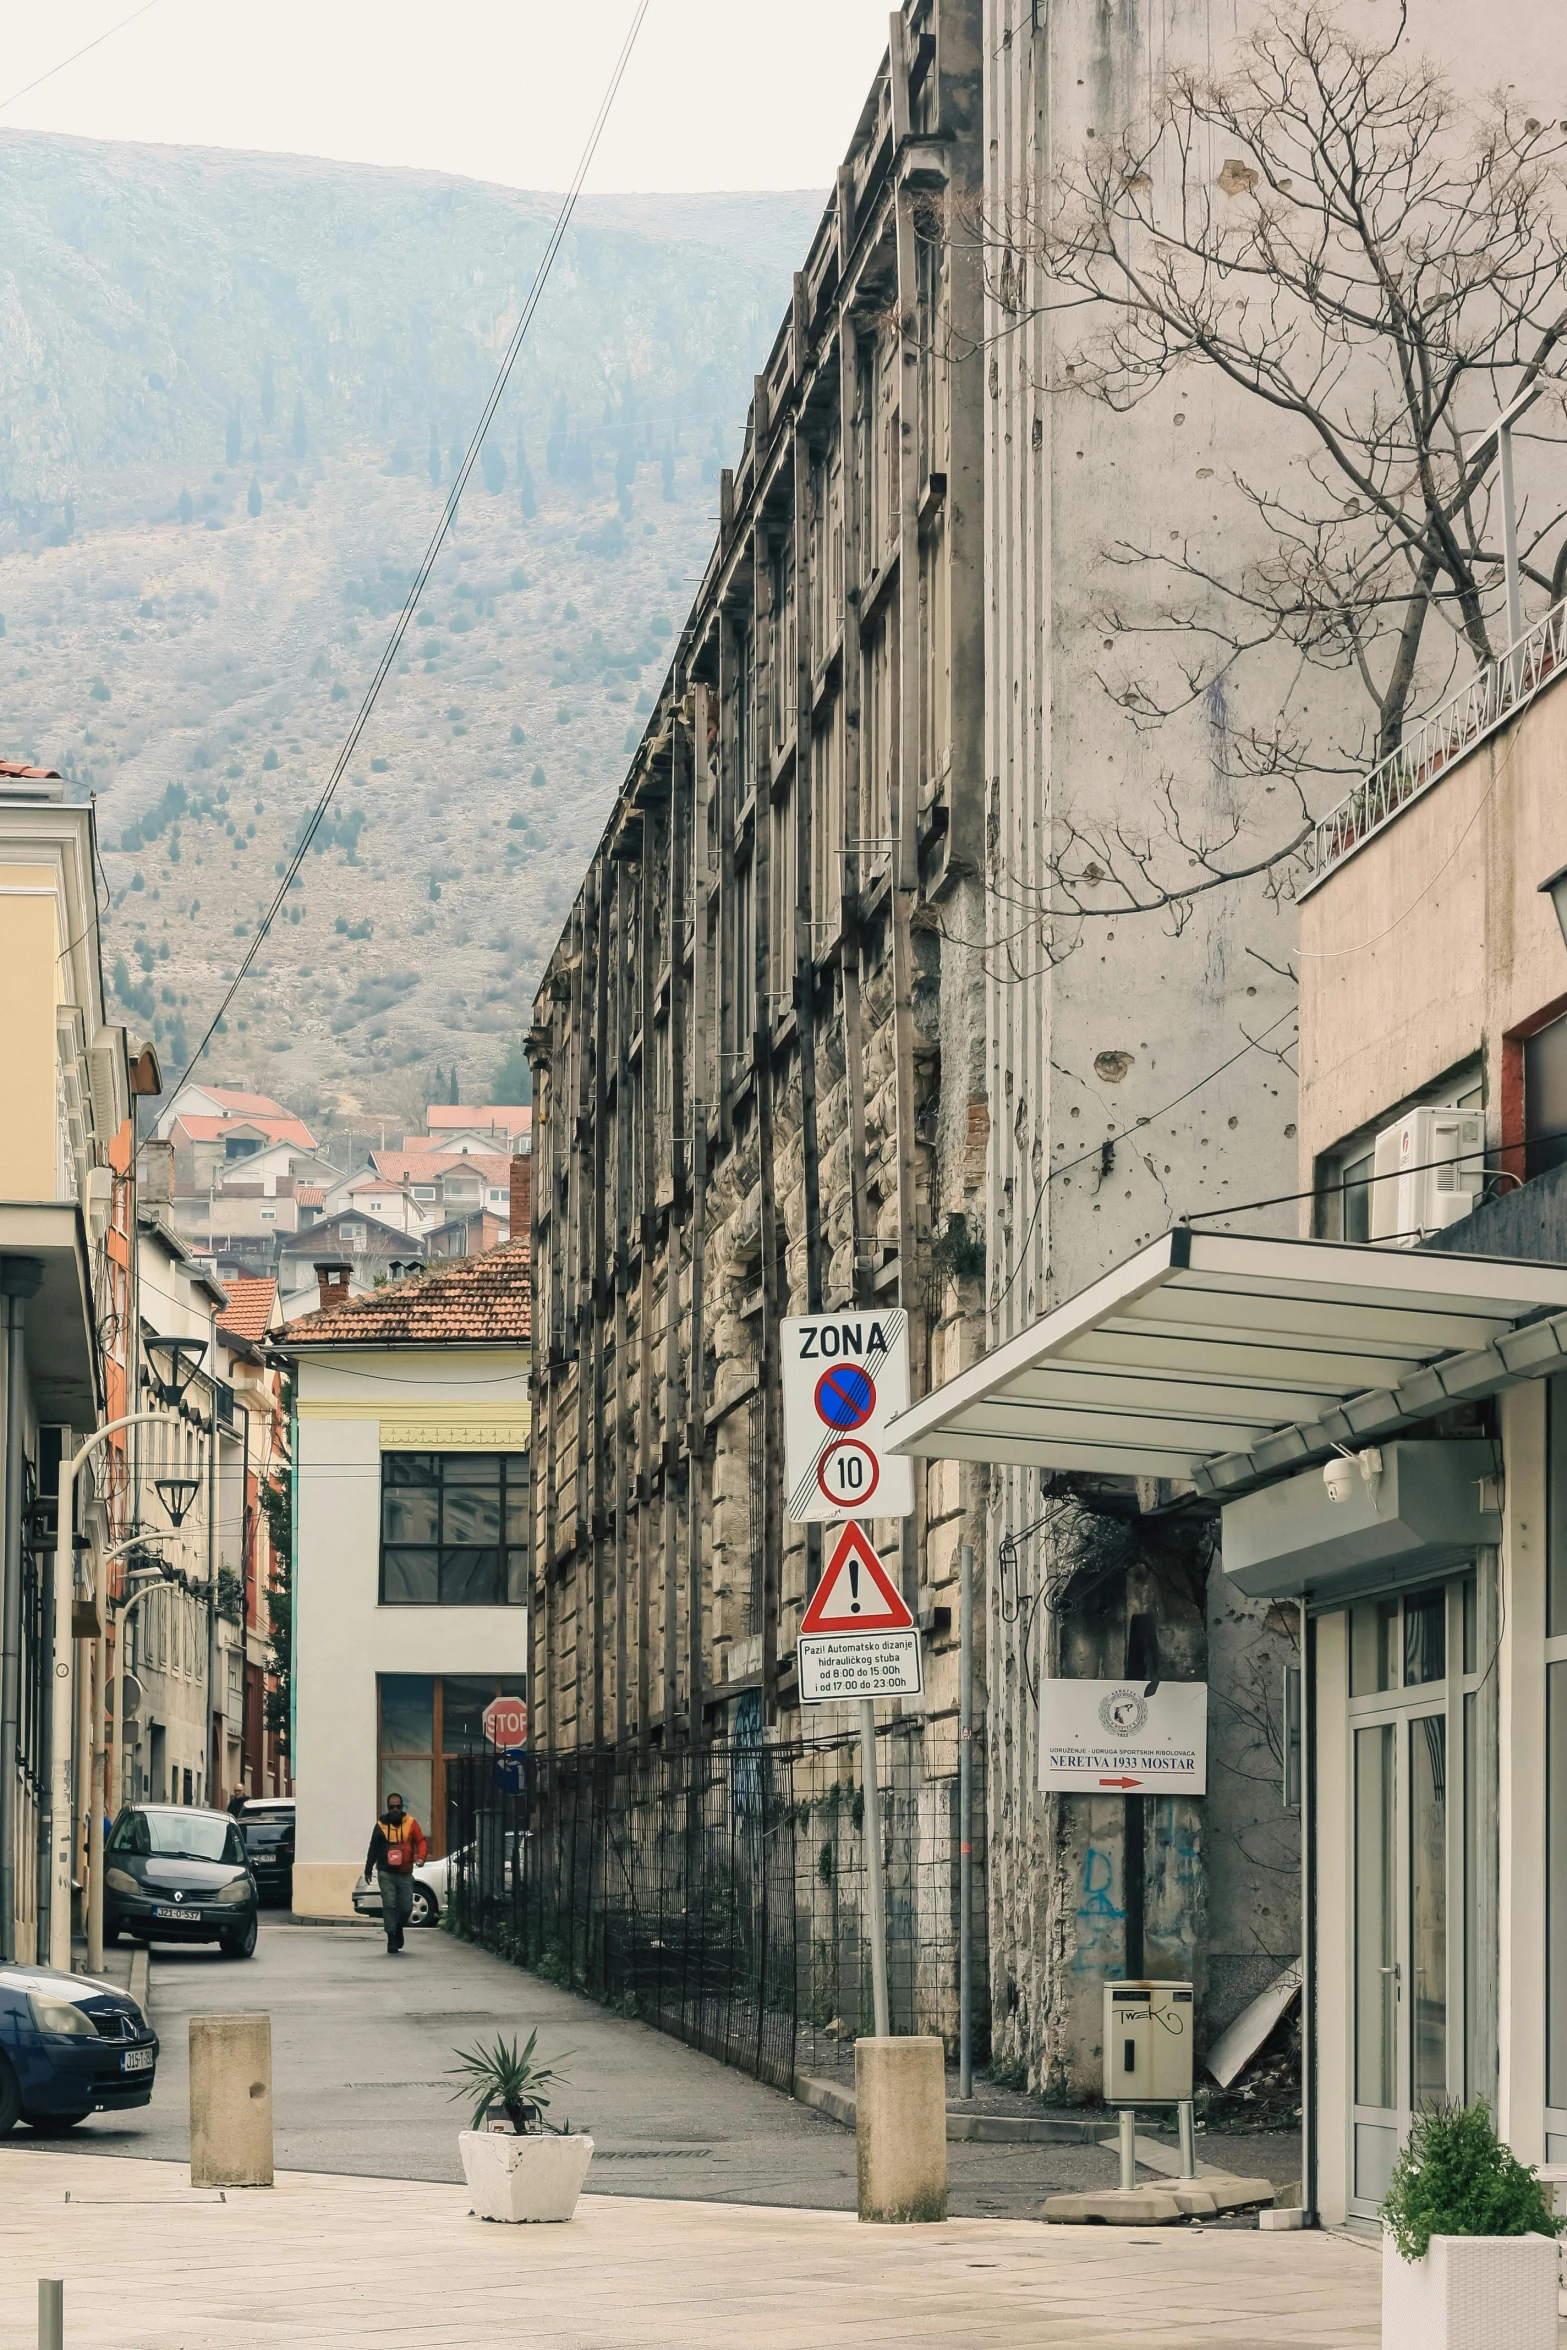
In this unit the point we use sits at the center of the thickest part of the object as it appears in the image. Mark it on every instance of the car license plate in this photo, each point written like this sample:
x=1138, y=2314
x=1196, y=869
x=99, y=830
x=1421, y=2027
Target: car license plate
x=136, y=2060
x=179, y=1915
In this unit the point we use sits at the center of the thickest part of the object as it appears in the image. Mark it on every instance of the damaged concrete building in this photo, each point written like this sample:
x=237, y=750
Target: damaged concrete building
x=796, y=1050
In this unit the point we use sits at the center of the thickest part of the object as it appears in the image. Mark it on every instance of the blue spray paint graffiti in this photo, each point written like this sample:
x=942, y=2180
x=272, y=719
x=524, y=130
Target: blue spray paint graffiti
x=1100, y=1923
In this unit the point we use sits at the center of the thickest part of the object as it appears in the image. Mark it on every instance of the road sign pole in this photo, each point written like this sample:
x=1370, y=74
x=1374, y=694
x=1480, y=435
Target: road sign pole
x=875, y=1886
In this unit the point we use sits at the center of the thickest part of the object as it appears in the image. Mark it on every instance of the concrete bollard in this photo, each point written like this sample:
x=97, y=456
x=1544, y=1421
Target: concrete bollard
x=51, y=2313
x=900, y=2129
x=231, y=2101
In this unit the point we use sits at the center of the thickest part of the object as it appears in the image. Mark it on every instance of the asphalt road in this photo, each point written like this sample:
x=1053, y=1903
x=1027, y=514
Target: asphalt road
x=361, y=2045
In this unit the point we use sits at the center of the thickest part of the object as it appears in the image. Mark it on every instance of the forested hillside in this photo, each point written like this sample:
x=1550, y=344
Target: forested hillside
x=233, y=392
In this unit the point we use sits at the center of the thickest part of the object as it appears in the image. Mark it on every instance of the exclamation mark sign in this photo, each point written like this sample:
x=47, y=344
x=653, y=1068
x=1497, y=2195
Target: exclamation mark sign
x=854, y=1587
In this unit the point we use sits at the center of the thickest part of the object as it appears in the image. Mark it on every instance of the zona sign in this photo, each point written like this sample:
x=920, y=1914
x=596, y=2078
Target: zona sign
x=845, y=1375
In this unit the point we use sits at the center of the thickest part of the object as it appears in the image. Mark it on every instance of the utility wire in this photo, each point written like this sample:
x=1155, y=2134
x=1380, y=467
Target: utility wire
x=383, y=667
x=28, y=87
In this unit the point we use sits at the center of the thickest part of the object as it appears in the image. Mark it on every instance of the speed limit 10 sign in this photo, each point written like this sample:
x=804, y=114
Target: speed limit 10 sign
x=844, y=1377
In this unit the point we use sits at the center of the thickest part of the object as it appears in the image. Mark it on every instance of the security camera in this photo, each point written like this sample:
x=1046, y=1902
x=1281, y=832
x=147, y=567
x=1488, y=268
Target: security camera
x=1338, y=1476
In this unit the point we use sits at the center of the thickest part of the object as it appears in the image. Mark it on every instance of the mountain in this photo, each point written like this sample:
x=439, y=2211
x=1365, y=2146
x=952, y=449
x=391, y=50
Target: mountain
x=233, y=392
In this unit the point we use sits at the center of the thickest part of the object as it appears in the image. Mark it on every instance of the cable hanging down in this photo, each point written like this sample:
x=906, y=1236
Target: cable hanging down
x=404, y=619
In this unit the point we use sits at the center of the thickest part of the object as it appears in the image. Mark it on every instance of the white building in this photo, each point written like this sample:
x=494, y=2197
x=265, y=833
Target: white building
x=411, y=1549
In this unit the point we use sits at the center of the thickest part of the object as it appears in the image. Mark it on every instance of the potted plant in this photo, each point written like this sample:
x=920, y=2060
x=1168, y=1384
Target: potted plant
x=517, y=2167
x=1469, y=2255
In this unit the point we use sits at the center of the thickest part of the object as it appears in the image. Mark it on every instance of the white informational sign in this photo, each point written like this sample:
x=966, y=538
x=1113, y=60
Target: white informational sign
x=857, y=1637
x=845, y=1375
x=1114, y=1738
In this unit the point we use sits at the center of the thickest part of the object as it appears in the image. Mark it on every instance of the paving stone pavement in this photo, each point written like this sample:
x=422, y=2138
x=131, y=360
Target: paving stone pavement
x=361, y=2045
x=362, y=2264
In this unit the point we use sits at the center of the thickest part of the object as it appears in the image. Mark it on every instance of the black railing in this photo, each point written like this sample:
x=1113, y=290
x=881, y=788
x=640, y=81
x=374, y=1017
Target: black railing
x=717, y=1892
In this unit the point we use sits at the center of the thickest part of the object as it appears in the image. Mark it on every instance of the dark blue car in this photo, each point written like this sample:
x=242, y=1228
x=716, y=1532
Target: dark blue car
x=70, y=2045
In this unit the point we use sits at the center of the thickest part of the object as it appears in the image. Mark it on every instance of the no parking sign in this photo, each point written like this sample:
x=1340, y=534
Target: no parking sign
x=845, y=1376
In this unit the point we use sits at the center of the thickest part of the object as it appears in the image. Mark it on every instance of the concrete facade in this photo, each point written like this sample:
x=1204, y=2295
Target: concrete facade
x=758, y=1046
x=1431, y=964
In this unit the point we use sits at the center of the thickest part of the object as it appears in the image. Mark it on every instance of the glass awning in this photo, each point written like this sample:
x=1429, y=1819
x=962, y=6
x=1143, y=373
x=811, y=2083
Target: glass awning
x=1223, y=1358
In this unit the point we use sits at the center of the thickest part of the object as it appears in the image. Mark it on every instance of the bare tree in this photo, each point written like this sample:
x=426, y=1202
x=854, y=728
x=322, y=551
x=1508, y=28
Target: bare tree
x=1380, y=266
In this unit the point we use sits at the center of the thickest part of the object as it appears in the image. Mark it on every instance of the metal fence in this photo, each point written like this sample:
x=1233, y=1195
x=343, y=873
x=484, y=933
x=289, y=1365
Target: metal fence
x=717, y=1892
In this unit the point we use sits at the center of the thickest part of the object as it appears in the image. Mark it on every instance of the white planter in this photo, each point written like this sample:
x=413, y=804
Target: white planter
x=1470, y=2293
x=526, y=2178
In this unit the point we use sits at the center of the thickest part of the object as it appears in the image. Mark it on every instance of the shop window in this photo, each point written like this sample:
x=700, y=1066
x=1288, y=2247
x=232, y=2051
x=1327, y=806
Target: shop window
x=454, y=1529
x=1425, y=1637
x=426, y=1722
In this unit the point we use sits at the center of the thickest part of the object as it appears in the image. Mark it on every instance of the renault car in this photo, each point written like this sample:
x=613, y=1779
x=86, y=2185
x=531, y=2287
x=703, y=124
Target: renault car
x=70, y=2045
x=176, y=1874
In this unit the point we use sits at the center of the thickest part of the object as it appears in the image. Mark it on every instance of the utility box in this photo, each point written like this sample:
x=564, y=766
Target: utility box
x=1149, y=2033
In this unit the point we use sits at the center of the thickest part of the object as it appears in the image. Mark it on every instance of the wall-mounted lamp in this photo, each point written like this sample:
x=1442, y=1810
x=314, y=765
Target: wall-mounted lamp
x=1556, y=890
x=175, y=1362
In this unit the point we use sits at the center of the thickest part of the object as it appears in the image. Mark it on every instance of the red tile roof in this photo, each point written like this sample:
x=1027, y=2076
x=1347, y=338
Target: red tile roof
x=281, y=1128
x=510, y=1117
x=15, y=772
x=249, y=1310
x=486, y=1299
x=309, y=1195
x=406, y=1166
x=494, y=1166
x=245, y=1101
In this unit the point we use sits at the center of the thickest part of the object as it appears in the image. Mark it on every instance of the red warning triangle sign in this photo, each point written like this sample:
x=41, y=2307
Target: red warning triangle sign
x=855, y=1593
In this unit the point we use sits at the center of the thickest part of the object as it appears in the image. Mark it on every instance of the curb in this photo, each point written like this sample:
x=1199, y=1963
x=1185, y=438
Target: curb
x=993, y=2129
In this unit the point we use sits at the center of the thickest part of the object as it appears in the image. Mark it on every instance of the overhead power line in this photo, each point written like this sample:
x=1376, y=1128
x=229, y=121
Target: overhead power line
x=37, y=84
x=404, y=621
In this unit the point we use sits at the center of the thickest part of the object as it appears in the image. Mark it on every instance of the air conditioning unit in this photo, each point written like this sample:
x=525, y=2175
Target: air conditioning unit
x=1429, y=1171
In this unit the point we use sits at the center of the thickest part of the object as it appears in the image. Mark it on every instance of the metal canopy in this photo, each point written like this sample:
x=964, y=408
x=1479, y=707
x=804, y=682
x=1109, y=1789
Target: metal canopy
x=1222, y=1358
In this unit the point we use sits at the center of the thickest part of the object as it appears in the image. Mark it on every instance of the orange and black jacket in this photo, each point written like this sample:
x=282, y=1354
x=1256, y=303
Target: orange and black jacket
x=388, y=1832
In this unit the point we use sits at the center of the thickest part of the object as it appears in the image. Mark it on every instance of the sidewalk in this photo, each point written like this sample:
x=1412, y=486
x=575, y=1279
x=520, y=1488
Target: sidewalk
x=148, y=2263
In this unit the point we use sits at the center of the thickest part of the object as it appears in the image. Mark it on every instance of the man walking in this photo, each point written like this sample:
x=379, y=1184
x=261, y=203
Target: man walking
x=397, y=1845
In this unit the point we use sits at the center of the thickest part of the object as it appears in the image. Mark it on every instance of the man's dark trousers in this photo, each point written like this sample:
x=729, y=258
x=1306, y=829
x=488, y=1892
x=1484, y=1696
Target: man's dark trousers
x=397, y=1903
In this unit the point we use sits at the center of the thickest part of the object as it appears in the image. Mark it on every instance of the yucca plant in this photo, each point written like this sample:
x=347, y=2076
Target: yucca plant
x=506, y=2077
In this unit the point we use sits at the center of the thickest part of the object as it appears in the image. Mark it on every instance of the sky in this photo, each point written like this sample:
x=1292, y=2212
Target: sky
x=720, y=94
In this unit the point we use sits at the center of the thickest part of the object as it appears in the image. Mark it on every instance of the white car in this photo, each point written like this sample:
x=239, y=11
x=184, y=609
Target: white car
x=432, y=1886
x=432, y=1881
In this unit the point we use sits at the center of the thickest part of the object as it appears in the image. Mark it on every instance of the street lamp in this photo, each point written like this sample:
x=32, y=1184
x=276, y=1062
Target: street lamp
x=183, y=1357
x=178, y=1495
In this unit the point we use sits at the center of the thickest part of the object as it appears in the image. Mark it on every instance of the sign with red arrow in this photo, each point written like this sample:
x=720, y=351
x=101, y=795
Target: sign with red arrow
x=1135, y=1737
x=857, y=1637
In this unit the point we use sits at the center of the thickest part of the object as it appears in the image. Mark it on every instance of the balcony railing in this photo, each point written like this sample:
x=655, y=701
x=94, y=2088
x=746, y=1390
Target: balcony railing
x=1451, y=731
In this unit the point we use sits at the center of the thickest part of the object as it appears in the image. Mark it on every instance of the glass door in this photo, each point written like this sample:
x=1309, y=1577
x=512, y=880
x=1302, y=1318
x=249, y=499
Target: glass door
x=1411, y=1658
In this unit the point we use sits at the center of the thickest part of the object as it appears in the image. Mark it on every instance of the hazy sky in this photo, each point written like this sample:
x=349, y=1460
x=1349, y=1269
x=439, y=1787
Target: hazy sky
x=720, y=93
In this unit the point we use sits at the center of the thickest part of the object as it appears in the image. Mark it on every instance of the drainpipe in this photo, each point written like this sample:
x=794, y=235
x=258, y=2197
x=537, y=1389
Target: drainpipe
x=20, y=1279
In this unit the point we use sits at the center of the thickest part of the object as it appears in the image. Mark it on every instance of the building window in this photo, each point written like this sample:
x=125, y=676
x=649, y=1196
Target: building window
x=454, y=1529
x=1545, y=1100
x=426, y=1721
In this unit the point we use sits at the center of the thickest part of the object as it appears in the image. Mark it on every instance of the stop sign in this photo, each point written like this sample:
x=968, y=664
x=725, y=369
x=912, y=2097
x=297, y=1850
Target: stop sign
x=506, y=1722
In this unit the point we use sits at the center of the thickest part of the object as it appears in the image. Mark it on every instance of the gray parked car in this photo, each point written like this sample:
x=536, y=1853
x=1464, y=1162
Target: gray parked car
x=177, y=1874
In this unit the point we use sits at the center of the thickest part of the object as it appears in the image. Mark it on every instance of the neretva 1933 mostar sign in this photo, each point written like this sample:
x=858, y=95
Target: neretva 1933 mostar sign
x=1125, y=1737
x=845, y=1376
